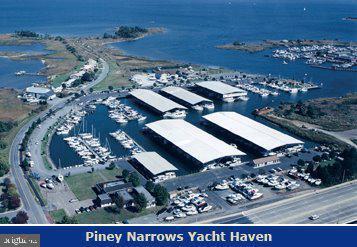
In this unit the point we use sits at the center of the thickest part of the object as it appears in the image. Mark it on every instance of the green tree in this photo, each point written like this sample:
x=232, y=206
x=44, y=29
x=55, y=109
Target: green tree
x=68, y=220
x=5, y=220
x=161, y=195
x=125, y=174
x=119, y=201
x=150, y=186
x=20, y=218
x=140, y=201
x=110, y=88
x=301, y=162
x=134, y=179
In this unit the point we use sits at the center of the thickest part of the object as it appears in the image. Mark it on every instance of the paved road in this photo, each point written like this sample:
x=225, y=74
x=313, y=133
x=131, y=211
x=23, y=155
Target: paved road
x=35, y=212
x=336, y=204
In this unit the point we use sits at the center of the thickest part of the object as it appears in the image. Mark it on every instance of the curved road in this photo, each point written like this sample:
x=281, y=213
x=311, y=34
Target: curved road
x=35, y=211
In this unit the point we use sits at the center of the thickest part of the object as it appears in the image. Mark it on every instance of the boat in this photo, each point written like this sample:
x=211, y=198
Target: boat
x=21, y=72
x=60, y=177
x=244, y=98
x=197, y=107
x=228, y=100
x=209, y=106
x=142, y=118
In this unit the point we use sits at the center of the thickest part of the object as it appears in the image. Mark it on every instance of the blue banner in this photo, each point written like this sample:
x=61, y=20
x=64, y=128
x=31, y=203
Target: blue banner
x=287, y=236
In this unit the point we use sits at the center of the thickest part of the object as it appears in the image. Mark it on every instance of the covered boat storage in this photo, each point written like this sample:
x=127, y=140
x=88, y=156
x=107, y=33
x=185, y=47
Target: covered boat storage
x=152, y=166
x=184, y=96
x=252, y=134
x=198, y=146
x=220, y=90
x=156, y=102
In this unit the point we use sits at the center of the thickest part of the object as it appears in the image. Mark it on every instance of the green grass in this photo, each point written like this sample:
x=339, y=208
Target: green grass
x=116, y=78
x=38, y=189
x=57, y=215
x=59, y=79
x=107, y=216
x=81, y=184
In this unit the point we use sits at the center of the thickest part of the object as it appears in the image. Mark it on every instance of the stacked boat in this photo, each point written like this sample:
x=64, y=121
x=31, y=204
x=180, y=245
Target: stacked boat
x=71, y=120
x=126, y=142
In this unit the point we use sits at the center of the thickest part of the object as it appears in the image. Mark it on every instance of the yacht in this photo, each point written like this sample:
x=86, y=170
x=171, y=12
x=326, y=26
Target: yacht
x=228, y=100
x=209, y=106
x=176, y=114
x=21, y=72
x=197, y=107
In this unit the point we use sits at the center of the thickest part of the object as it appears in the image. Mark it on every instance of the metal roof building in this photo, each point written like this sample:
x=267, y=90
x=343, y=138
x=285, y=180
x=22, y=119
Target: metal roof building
x=221, y=89
x=260, y=135
x=184, y=96
x=192, y=141
x=156, y=101
x=154, y=163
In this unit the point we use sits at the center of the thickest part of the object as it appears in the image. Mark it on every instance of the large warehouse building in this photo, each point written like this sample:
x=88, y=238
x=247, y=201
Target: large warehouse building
x=153, y=166
x=252, y=134
x=197, y=145
x=185, y=97
x=159, y=103
x=220, y=90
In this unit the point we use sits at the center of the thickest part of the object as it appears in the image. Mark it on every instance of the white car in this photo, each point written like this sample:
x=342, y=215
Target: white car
x=314, y=217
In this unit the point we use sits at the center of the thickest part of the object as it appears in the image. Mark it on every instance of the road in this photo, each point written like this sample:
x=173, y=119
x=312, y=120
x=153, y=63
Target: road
x=34, y=210
x=337, y=204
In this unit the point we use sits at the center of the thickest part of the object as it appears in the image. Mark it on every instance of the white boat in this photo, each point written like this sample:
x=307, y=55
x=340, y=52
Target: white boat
x=274, y=93
x=228, y=100
x=209, y=106
x=285, y=62
x=21, y=72
x=142, y=118
x=197, y=107
x=193, y=212
x=244, y=98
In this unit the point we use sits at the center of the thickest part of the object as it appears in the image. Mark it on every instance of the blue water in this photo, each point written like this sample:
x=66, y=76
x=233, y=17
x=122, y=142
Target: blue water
x=194, y=28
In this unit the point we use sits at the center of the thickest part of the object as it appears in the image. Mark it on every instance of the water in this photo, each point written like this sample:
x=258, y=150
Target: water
x=194, y=28
x=8, y=67
x=101, y=125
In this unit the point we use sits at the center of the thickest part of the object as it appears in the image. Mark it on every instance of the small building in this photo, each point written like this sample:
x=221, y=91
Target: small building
x=269, y=160
x=112, y=186
x=104, y=200
x=152, y=166
x=128, y=199
x=151, y=201
x=220, y=90
x=36, y=93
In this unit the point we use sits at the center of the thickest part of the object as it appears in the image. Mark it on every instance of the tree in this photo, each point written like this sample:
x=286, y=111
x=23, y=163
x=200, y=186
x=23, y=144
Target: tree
x=125, y=174
x=14, y=202
x=5, y=220
x=20, y=218
x=140, y=201
x=316, y=158
x=134, y=179
x=301, y=162
x=6, y=182
x=161, y=195
x=119, y=201
x=325, y=156
x=91, y=90
x=111, y=166
x=150, y=186
x=68, y=220
x=110, y=88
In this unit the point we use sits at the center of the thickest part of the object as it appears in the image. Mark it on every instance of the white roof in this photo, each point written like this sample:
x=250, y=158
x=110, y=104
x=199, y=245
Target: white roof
x=220, y=87
x=255, y=132
x=154, y=162
x=192, y=140
x=155, y=100
x=39, y=90
x=185, y=95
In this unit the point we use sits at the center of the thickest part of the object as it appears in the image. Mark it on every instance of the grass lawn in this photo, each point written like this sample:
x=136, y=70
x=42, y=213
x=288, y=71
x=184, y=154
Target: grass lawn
x=57, y=215
x=107, y=216
x=12, y=109
x=117, y=78
x=59, y=79
x=81, y=184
